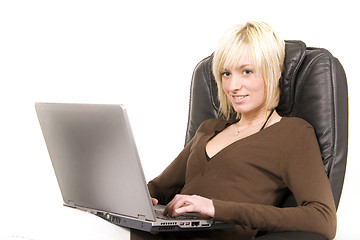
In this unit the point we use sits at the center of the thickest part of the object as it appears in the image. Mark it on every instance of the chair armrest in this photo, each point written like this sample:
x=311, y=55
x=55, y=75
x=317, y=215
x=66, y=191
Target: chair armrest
x=291, y=236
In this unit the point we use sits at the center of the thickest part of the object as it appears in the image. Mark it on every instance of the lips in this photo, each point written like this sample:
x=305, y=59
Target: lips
x=239, y=98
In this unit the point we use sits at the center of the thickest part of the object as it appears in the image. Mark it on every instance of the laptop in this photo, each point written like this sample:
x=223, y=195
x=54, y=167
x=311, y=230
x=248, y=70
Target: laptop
x=98, y=169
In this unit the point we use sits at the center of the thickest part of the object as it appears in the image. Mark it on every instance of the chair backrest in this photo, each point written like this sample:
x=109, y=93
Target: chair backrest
x=313, y=87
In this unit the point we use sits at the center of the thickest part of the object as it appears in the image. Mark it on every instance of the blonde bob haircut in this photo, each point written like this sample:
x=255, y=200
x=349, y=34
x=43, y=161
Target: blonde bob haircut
x=266, y=51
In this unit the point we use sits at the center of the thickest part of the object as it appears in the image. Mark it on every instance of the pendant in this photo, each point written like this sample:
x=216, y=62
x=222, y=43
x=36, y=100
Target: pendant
x=237, y=132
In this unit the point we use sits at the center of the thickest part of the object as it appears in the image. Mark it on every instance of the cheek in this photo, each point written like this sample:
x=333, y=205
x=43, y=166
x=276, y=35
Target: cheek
x=225, y=88
x=223, y=85
x=258, y=91
x=262, y=93
x=259, y=85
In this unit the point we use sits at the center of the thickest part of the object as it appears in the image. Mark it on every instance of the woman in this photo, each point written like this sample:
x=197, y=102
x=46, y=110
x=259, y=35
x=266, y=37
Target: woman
x=239, y=169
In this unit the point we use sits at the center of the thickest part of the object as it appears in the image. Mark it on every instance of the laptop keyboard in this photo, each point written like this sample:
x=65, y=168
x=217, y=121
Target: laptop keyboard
x=186, y=216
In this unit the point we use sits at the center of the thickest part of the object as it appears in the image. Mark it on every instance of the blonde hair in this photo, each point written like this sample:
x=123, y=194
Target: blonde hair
x=267, y=52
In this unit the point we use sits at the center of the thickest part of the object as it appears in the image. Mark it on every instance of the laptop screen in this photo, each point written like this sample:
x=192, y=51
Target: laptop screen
x=95, y=158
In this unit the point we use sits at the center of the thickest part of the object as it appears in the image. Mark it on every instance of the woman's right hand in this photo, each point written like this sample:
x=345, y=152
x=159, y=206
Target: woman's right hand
x=154, y=201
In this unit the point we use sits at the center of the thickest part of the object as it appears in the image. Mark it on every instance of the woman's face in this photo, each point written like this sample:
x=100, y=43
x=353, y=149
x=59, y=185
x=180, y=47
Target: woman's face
x=244, y=87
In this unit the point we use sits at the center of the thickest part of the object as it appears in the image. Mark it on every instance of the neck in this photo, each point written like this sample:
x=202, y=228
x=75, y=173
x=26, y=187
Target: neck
x=254, y=119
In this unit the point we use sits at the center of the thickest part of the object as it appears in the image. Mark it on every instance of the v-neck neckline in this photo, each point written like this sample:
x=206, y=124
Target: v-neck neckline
x=223, y=125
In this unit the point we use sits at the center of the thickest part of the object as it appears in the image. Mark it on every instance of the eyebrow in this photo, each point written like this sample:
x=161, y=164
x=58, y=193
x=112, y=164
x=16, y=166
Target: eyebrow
x=239, y=67
x=244, y=65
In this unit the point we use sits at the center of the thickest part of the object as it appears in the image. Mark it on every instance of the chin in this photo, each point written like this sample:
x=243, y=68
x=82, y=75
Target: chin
x=242, y=110
x=247, y=109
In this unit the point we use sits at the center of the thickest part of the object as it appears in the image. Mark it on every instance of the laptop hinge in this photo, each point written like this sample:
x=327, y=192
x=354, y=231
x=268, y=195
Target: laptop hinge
x=71, y=204
x=141, y=217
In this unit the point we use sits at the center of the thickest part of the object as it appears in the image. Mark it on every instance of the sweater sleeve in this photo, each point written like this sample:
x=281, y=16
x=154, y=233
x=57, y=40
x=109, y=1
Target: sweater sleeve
x=303, y=173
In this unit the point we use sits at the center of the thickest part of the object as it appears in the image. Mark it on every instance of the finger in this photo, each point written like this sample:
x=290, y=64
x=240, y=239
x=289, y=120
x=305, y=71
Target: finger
x=192, y=203
x=181, y=206
x=169, y=208
x=154, y=201
x=184, y=209
x=175, y=203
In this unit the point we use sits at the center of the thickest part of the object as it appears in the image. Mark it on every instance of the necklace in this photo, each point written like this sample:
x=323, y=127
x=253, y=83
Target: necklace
x=263, y=126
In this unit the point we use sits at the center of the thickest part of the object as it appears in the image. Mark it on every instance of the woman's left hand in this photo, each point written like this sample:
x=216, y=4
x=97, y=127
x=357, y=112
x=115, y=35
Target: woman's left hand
x=185, y=203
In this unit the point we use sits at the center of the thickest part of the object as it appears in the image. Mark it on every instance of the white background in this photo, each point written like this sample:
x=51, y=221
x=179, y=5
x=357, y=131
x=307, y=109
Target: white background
x=142, y=54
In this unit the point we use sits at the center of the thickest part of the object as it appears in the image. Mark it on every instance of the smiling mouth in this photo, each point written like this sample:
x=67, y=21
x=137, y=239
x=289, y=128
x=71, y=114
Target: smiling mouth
x=240, y=97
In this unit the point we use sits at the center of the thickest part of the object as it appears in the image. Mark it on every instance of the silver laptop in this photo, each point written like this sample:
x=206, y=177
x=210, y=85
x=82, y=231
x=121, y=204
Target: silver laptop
x=98, y=169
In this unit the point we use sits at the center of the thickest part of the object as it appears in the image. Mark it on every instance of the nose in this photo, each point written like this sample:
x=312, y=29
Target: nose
x=235, y=83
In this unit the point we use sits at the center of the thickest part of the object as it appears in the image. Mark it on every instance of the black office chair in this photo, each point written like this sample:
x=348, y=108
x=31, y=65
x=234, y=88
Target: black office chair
x=313, y=87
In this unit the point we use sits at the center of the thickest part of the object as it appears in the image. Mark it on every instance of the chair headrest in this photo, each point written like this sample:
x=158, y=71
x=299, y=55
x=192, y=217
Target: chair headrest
x=294, y=55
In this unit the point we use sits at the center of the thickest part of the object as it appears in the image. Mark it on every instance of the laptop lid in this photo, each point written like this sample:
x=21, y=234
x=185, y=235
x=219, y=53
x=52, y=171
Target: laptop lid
x=94, y=156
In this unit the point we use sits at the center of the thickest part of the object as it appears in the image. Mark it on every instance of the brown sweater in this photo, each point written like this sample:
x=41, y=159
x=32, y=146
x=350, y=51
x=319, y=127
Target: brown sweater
x=250, y=177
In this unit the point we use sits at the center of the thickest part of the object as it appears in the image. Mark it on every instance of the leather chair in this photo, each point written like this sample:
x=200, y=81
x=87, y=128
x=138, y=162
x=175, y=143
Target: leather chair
x=313, y=87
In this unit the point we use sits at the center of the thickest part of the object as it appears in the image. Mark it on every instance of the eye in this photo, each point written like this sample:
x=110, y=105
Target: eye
x=225, y=74
x=247, y=72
